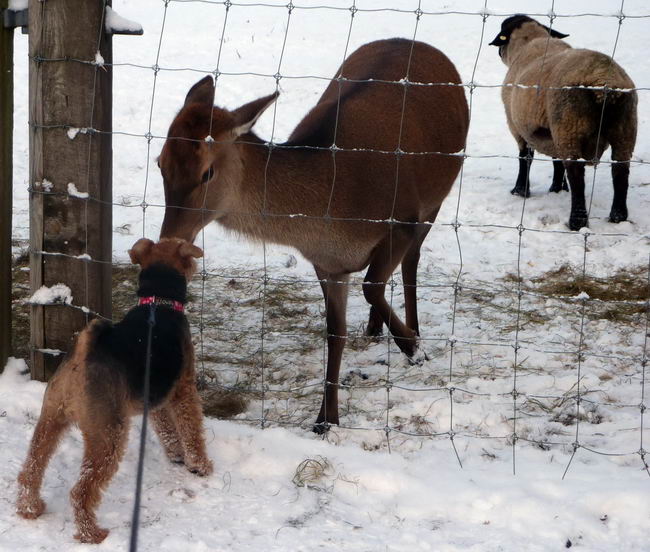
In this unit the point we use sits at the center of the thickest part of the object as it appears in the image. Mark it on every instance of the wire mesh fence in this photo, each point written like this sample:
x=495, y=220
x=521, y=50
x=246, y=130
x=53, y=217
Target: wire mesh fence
x=549, y=349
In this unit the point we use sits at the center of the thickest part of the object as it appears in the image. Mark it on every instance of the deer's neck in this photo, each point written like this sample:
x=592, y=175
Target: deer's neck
x=272, y=187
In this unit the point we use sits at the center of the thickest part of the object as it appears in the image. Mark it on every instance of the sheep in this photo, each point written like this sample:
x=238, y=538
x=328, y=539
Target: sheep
x=574, y=126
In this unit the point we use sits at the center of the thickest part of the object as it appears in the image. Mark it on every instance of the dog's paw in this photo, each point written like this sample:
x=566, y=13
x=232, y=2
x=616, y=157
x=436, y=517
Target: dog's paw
x=176, y=458
x=92, y=535
x=30, y=508
x=201, y=467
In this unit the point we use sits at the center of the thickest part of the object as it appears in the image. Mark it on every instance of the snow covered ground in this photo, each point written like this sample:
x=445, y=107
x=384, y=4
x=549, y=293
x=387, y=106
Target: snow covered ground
x=365, y=494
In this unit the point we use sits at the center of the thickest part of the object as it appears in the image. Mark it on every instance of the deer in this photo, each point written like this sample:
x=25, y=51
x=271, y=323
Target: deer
x=356, y=187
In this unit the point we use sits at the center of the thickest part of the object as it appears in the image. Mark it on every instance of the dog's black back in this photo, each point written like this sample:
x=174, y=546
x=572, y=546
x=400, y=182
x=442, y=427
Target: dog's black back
x=122, y=348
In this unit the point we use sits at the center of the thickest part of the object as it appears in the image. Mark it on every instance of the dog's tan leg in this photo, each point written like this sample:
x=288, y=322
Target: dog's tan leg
x=47, y=434
x=186, y=406
x=163, y=423
x=103, y=449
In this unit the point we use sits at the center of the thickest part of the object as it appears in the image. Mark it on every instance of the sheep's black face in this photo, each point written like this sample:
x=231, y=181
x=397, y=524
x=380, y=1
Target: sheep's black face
x=511, y=24
x=507, y=27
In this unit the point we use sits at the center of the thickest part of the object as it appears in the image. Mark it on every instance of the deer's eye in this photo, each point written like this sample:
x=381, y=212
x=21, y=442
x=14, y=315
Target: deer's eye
x=207, y=175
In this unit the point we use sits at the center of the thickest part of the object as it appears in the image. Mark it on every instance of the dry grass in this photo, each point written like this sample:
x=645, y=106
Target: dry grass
x=219, y=403
x=312, y=471
x=622, y=297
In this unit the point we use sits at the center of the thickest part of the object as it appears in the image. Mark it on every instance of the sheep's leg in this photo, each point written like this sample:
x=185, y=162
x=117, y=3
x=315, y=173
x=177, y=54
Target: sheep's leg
x=522, y=186
x=620, y=176
x=575, y=171
x=335, y=292
x=559, y=179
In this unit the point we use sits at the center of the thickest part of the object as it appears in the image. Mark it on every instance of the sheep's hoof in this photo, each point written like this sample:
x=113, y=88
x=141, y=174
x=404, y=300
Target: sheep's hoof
x=618, y=215
x=578, y=221
x=520, y=191
x=558, y=187
x=321, y=428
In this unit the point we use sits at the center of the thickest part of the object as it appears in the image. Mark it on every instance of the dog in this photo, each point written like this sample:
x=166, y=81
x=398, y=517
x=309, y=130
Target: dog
x=100, y=385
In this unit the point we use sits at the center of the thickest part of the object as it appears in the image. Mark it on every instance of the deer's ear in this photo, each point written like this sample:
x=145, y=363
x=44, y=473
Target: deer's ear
x=188, y=249
x=246, y=115
x=202, y=92
x=140, y=250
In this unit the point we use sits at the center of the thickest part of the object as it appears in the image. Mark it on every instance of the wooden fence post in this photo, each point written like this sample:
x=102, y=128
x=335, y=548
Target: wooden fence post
x=69, y=89
x=6, y=181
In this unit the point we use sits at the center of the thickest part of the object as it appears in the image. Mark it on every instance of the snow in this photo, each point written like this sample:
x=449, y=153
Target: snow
x=72, y=132
x=72, y=191
x=58, y=293
x=17, y=5
x=415, y=497
x=99, y=60
x=114, y=23
x=362, y=501
x=46, y=185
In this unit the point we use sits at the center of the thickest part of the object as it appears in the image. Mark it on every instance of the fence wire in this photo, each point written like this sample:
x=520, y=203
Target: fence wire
x=459, y=288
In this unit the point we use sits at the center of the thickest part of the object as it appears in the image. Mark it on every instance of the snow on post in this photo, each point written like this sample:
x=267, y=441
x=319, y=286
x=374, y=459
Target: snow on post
x=114, y=23
x=55, y=295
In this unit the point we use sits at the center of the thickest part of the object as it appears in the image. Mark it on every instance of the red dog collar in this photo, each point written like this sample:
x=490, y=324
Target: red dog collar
x=176, y=305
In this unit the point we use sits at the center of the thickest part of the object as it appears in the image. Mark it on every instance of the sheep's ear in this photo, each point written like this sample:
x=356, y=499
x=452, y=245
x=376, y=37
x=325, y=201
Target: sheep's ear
x=246, y=115
x=554, y=33
x=202, y=92
x=557, y=34
x=140, y=249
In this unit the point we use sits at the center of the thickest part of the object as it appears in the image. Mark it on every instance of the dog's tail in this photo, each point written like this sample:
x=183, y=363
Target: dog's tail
x=85, y=341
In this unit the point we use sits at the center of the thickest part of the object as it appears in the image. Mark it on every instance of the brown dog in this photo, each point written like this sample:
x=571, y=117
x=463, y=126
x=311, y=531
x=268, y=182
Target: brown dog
x=100, y=385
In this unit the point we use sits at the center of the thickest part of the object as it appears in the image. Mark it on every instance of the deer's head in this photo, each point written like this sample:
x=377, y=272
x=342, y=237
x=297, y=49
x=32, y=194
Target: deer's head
x=201, y=161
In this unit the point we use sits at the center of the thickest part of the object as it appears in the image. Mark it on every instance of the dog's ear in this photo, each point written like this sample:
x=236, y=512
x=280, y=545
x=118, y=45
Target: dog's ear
x=139, y=250
x=188, y=249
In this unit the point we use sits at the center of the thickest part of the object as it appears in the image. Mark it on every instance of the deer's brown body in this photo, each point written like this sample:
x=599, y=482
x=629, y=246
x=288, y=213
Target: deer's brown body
x=343, y=199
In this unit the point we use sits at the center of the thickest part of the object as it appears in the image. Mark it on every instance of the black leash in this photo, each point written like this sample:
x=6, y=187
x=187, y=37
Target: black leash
x=135, y=520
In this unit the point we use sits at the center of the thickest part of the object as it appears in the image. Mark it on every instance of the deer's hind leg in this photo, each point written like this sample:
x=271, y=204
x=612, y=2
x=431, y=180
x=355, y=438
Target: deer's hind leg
x=387, y=255
x=409, y=277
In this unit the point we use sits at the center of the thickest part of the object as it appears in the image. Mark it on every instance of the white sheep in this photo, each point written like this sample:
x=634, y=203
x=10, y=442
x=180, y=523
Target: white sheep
x=569, y=104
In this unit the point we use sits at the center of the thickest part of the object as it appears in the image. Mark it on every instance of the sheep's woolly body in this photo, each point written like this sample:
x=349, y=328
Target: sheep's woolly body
x=559, y=121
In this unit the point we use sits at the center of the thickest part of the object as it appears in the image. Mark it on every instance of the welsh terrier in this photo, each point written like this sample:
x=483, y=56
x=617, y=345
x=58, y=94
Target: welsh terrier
x=100, y=385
